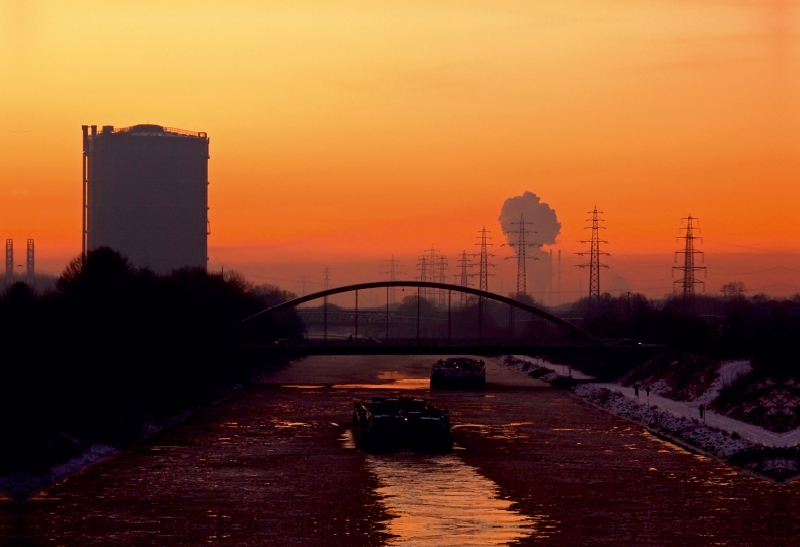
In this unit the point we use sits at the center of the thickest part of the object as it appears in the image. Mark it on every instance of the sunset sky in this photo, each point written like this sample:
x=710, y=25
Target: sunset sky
x=345, y=132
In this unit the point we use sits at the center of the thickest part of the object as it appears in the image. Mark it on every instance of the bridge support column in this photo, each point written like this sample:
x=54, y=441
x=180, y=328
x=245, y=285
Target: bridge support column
x=510, y=322
x=387, y=315
x=449, y=318
x=417, y=315
x=480, y=318
x=544, y=331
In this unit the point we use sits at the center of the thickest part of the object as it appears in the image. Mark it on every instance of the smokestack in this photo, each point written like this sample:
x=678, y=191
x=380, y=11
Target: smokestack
x=29, y=278
x=9, y=262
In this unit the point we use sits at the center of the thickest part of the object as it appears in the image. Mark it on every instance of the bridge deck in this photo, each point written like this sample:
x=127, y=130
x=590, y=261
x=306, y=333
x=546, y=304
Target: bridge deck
x=606, y=352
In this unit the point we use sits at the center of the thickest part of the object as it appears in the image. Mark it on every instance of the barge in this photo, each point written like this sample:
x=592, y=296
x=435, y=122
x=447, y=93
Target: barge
x=458, y=373
x=387, y=424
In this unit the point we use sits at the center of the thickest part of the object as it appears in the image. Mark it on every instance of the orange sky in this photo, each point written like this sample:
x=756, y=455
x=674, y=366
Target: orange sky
x=343, y=132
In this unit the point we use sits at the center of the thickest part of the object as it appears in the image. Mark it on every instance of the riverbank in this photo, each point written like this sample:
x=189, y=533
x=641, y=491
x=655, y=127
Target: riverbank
x=21, y=485
x=777, y=462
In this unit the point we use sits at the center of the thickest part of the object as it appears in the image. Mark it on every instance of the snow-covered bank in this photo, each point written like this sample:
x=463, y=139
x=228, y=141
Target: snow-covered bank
x=691, y=410
x=671, y=421
x=21, y=485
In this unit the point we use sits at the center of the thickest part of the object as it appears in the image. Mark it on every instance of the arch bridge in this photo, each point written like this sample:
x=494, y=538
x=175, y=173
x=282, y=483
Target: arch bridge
x=612, y=359
x=419, y=285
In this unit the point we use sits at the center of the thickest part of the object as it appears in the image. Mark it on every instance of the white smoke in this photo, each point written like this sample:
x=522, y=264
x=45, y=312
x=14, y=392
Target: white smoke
x=543, y=226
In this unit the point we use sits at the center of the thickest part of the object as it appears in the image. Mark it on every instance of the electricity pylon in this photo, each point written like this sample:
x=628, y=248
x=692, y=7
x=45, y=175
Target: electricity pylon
x=483, y=272
x=689, y=280
x=442, y=278
x=594, y=253
x=520, y=250
x=465, y=264
x=392, y=272
x=483, y=259
x=424, y=273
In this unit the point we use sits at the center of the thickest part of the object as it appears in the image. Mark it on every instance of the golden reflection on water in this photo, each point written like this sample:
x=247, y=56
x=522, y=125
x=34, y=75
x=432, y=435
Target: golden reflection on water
x=440, y=501
x=400, y=383
x=437, y=500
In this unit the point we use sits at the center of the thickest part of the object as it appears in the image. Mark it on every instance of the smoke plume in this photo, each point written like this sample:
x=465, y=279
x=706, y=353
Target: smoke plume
x=543, y=226
x=541, y=217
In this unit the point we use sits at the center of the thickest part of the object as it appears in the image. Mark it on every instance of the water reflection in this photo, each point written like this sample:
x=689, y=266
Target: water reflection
x=437, y=500
x=399, y=383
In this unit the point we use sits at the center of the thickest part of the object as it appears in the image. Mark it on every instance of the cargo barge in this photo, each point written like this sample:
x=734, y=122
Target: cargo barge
x=393, y=423
x=458, y=373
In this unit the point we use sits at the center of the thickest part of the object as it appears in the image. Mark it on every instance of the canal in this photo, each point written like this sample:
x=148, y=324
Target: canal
x=276, y=465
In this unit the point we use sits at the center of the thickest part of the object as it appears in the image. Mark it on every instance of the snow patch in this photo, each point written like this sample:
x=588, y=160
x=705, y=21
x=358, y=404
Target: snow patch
x=675, y=420
x=22, y=484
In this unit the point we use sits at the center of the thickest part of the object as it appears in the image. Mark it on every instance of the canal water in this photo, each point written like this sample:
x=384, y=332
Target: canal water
x=276, y=465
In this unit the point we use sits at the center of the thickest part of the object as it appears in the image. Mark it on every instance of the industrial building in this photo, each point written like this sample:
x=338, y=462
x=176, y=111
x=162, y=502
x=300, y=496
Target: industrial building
x=145, y=195
x=30, y=272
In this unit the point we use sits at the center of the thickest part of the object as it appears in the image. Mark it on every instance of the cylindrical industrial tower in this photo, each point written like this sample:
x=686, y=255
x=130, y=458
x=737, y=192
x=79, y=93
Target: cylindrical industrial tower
x=145, y=194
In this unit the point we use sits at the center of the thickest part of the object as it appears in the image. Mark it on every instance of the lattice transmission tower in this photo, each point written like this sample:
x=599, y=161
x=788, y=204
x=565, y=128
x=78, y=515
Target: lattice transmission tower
x=594, y=253
x=483, y=259
x=520, y=247
x=423, y=267
x=463, y=278
x=303, y=286
x=442, y=278
x=433, y=258
x=392, y=272
x=689, y=280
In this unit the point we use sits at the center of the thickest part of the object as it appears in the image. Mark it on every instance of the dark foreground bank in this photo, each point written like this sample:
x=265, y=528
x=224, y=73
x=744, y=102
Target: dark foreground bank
x=114, y=353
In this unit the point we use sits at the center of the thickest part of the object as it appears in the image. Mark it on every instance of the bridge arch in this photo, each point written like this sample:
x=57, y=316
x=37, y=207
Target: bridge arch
x=289, y=304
